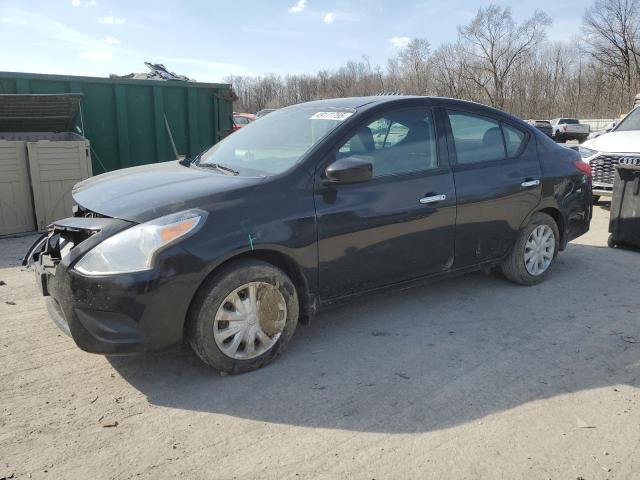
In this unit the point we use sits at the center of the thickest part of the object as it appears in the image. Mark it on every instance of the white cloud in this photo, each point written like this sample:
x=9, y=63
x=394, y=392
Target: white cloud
x=400, y=42
x=298, y=7
x=111, y=20
x=86, y=3
x=112, y=40
x=96, y=55
x=329, y=17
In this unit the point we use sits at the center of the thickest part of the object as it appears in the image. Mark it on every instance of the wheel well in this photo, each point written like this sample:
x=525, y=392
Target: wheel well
x=557, y=216
x=284, y=263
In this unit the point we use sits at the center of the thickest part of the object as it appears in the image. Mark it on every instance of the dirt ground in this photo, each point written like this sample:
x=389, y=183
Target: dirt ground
x=467, y=378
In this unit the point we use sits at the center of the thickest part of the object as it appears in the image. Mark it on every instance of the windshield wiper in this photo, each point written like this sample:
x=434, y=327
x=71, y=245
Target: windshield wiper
x=219, y=167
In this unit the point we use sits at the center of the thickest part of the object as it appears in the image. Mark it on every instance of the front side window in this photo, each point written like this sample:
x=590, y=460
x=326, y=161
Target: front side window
x=398, y=142
x=277, y=142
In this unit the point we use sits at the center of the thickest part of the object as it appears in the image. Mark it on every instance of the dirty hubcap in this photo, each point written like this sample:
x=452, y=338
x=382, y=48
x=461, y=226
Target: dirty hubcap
x=539, y=250
x=250, y=320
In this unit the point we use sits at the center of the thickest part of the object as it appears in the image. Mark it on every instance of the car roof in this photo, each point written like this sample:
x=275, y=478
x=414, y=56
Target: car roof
x=357, y=102
x=376, y=100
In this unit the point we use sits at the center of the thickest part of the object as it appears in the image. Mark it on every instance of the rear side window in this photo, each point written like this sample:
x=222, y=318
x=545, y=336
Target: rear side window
x=477, y=139
x=480, y=139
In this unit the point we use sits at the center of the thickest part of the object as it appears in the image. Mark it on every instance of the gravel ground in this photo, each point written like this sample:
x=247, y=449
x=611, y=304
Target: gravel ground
x=471, y=377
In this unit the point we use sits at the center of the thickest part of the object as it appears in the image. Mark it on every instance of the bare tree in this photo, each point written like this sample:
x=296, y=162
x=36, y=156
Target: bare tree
x=496, y=44
x=612, y=40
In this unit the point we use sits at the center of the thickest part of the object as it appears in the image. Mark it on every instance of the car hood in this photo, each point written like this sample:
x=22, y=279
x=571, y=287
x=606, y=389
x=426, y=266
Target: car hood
x=143, y=193
x=616, y=142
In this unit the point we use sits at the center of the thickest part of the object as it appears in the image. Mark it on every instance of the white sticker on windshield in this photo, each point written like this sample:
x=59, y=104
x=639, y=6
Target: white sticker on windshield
x=339, y=116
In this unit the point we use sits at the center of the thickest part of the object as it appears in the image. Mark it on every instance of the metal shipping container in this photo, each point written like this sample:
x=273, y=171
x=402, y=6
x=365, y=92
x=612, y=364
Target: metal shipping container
x=124, y=119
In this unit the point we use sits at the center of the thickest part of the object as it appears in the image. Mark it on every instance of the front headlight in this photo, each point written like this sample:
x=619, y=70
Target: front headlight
x=586, y=153
x=134, y=249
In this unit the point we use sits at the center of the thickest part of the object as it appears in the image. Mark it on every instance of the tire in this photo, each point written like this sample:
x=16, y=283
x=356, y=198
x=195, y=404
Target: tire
x=596, y=199
x=212, y=305
x=611, y=243
x=514, y=267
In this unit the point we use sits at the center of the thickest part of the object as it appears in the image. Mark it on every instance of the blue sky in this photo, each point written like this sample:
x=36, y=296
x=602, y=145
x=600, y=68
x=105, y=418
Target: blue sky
x=208, y=40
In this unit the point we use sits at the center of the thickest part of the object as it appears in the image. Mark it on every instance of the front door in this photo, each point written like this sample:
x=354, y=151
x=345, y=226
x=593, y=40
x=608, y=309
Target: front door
x=397, y=226
x=497, y=175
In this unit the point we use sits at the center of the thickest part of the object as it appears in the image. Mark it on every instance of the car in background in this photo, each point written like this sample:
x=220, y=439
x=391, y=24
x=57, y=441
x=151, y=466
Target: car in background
x=265, y=111
x=543, y=125
x=316, y=204
x=242, y=120
x=569, y=129
x=604, y=152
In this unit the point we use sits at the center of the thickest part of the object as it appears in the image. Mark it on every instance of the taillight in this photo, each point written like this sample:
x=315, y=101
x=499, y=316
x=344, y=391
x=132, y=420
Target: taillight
x=583, y=167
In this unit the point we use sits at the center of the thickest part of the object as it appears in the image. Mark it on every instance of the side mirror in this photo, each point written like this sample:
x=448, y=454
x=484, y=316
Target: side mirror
x=610, y=127
x=349, y=170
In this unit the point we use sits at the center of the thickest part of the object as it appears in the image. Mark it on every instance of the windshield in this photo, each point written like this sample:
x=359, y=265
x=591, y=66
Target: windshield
x=630, y=122
x=277, y=142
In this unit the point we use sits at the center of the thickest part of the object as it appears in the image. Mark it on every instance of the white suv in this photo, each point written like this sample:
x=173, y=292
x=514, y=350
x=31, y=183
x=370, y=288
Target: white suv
x=604, y=152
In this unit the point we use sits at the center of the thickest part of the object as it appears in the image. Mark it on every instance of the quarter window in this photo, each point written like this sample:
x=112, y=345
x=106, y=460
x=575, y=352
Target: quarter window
x=513, y=139
x=399, y=142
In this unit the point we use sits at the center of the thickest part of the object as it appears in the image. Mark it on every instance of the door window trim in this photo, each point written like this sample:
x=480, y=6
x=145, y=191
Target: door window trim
x=500, y=120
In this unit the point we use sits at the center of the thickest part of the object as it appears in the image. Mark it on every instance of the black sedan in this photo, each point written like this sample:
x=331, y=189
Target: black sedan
x=314, y=204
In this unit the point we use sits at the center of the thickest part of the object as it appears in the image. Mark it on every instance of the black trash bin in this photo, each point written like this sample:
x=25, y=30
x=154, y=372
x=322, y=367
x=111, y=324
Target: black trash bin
x=624, y=223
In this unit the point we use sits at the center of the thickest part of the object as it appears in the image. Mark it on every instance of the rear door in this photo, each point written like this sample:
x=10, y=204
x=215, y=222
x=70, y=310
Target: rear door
x=497, y=176
x=400, y=224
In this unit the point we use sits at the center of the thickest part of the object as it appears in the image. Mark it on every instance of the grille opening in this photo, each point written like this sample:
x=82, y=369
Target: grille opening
x=603, y=168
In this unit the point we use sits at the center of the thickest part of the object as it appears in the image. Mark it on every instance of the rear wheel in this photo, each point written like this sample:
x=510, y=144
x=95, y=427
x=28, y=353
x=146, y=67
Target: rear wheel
x=243, y=317
x=534, y=253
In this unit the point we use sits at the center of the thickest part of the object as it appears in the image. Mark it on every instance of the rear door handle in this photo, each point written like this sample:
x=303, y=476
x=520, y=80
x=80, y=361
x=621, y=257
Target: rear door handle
x=432, y=199
x=530, y=183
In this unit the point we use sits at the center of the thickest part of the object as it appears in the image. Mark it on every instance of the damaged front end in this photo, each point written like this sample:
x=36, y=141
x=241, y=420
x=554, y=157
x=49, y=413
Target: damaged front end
x=67, y=240
x=56, y=250
x=122, y=312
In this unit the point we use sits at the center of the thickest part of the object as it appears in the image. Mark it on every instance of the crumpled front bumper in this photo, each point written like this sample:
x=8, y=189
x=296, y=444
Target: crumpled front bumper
x=112, y=314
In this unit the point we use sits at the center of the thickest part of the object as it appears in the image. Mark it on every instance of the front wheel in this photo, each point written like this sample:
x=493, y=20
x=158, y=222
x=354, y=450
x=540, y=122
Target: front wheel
x=243, y=317
x=534, y=252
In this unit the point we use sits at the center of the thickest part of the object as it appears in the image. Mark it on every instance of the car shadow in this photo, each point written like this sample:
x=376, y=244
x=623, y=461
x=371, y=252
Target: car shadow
x=430, y=357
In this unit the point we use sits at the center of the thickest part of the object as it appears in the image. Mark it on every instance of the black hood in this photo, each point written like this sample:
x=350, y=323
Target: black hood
x=143, y=193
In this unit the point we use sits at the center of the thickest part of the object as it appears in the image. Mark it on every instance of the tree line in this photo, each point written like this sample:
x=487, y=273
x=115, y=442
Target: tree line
x=494, y=60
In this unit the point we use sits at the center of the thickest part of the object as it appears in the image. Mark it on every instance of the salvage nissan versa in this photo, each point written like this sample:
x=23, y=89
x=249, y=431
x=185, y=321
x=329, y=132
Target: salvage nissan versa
x=314, y=204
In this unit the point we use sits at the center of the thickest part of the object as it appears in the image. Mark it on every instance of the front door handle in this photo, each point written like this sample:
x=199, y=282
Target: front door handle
x=530, y=183
x=433, y=199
